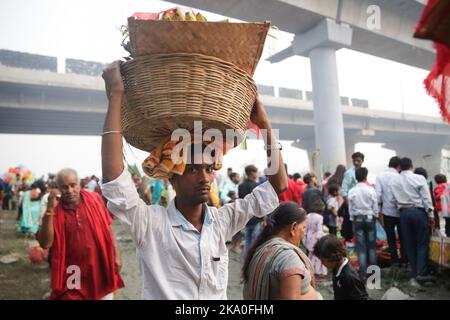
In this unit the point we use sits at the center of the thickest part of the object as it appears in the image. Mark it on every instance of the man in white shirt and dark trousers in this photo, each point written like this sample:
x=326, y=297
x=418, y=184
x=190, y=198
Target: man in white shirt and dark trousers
x=389, y=214
x=363, y=210
x=413, y=199
x=181, y=249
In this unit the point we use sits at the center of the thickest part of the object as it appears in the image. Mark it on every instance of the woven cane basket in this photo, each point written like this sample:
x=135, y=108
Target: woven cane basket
x=164, y=92
x=239, y=43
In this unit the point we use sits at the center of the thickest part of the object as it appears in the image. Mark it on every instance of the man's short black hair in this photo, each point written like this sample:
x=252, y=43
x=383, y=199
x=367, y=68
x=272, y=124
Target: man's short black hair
x=307, y=178
x=358, y=155
x=233, y=175
x=250, y=169
x=440, y=178
x=405, y=164
x=394, y=162
x=421, y=171
x=297, y=176
x=199, y=152
x=361, y=174
x=327, y=174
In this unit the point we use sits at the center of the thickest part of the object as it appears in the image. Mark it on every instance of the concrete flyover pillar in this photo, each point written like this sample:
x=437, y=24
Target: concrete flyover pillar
x=320, y=44
x=350, y=145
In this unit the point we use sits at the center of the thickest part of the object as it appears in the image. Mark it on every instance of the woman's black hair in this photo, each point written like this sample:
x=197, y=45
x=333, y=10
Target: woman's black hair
x=338, y=175
x=39, y=184
x=283, y=216
x=331, y=248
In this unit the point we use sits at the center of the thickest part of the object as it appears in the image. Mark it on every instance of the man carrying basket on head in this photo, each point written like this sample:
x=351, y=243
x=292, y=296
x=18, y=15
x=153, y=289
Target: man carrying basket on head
x=181, y=249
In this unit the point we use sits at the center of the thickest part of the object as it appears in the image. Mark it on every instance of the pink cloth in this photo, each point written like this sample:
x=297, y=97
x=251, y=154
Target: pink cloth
x=434, y=24
x=314, y=231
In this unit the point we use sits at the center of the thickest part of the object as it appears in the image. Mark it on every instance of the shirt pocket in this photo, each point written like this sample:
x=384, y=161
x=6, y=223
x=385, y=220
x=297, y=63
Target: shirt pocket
x=219, y=271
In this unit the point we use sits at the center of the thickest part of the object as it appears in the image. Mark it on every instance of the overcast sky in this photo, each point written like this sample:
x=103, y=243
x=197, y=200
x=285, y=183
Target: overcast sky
x=88, y=30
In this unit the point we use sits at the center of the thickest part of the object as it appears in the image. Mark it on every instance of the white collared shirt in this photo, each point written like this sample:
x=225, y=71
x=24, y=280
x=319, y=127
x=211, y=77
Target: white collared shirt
x=386, y=200
x=362, y=201
x=176, y=260
x=411, y=190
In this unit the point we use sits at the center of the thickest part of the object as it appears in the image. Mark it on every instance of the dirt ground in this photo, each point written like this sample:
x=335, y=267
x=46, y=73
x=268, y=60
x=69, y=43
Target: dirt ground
x=23, y=280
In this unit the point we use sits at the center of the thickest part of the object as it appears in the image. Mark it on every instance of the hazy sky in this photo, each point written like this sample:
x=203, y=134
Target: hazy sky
x=88, y=30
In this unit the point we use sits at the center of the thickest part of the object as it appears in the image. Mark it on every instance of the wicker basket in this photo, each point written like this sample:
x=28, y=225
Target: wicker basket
x=164, y=92
x=239, y=43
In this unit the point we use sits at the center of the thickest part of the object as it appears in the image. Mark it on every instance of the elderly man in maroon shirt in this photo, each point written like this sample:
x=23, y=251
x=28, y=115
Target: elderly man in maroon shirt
x=85, y=260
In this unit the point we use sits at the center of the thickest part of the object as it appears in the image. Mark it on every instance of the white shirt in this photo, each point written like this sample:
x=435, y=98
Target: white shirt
x=386, y=200
x=411, y=190
x=362, y=201
x=229, y=186
x=176, y=261
x=92, y=185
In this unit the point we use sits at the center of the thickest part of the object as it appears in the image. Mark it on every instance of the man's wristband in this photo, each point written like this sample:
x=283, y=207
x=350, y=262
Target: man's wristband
x=110, y=132
x=276, y=146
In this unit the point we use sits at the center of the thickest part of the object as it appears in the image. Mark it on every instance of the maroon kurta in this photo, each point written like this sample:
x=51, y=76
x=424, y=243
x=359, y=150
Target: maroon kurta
x=83, y=238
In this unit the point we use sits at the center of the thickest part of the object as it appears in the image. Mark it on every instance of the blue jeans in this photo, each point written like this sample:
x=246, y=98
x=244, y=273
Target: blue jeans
x=416, y=236
x=250, y=235
x=366, y=236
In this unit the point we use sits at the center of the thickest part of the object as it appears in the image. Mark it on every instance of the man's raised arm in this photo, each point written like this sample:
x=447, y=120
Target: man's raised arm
x=112, y=153
x=277, y=174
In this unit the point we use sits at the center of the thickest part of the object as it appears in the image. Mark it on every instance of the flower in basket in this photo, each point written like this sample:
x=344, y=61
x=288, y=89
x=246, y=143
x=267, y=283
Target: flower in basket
x=173, y=14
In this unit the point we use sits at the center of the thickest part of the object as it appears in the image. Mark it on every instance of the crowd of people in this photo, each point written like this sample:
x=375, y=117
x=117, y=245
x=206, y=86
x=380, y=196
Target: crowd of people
x=294, y=230
x=342, y=209
x=29, y=197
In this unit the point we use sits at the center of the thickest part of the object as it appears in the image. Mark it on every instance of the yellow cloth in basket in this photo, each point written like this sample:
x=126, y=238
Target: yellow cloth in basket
x=160, y=164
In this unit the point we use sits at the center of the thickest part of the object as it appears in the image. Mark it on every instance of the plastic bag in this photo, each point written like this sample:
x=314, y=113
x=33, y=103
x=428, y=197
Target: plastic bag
x=381, y=234
x=35, y=252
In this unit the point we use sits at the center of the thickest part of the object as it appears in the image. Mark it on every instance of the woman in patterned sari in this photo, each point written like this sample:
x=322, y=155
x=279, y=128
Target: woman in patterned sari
x=275, y=266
